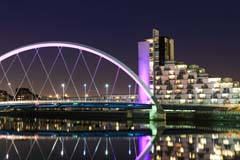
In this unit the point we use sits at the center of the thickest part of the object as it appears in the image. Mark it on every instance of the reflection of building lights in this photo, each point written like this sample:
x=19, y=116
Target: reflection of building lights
x=158, y=148
x=170, y=144
x=152, y=149
x=227, y=153
x=168, y=139
x=215, y=157
x=217, y=150
x=200, y=146
x=190, y=140
x=191, y=155
x=178, y=154
x=203, y=141
x=226, y=142
x=214, y=136
x=237, y=147
x=172, y=158
x=181, y=150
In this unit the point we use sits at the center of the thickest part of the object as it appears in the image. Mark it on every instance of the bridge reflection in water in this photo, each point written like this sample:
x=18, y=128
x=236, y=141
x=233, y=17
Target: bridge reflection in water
x=24, y=138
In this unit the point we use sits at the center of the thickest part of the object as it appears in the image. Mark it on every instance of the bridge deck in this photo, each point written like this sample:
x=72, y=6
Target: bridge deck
x=63, y=104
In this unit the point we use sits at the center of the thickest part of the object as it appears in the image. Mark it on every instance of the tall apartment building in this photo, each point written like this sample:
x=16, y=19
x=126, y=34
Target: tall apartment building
x=179, y=83
x=154, y=52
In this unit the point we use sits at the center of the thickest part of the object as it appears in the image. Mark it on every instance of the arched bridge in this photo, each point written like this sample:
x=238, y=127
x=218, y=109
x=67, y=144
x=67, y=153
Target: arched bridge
x=8, y=59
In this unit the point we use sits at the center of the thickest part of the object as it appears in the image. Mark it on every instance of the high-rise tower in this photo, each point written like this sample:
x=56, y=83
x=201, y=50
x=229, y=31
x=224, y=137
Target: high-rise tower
x=160, y=51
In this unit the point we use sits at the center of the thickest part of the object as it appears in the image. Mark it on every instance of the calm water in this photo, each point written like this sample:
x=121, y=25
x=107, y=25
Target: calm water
x=40, y=139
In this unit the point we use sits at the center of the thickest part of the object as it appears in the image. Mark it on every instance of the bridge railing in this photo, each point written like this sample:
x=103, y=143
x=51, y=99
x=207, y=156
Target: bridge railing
x=60, y=101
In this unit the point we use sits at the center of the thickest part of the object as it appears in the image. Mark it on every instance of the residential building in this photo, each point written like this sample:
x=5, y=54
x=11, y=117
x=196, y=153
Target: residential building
x=179, y=83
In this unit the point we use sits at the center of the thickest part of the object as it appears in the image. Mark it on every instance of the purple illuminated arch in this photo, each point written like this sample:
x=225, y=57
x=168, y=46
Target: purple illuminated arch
x=89, y=49
x=102, y=54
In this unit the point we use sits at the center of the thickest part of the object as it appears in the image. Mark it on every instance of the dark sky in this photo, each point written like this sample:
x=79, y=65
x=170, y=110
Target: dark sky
x=205, y=32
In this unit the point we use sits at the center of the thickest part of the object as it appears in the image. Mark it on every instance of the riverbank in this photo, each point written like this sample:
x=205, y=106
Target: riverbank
x=224, y=115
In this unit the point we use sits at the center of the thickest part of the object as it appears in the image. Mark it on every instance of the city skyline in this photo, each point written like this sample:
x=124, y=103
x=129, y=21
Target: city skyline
x=200, y=37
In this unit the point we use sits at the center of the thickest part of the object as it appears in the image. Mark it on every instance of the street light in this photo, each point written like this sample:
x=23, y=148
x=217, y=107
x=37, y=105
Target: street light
x=9, y=89
x=63, y=85
x=129, y=91
x=106, y=86
x=85, y=91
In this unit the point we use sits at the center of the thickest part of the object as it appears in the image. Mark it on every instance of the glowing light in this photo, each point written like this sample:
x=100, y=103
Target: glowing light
x=106, y=152
x=215, y=157
x=190, y=140
x=226, y=142
x=152, y=149
x=203, y=141
x=106, y=85
x=90, y=128
x=181, y=150
x=168, y=139
x=62, y=153
x=237, y=147
x=129, y=152
x=117, y=128
x=7, y=156
x=158, y=148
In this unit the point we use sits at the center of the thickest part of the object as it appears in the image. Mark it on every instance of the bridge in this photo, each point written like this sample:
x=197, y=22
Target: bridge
x=23, y=69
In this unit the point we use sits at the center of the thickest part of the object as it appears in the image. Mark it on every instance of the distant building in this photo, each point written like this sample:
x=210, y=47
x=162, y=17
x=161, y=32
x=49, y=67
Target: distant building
x=4, y=96
x=25, y=94
x=179, y=83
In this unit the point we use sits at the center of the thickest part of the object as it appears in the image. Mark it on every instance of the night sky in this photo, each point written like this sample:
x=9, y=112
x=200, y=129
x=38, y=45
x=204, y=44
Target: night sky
x=205, y=32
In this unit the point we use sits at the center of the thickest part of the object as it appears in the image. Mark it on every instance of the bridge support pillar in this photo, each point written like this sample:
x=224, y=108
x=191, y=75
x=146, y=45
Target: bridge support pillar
x=157, y=112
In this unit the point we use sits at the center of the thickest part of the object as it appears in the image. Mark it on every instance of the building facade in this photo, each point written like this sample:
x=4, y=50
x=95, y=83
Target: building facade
x=179, y=83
